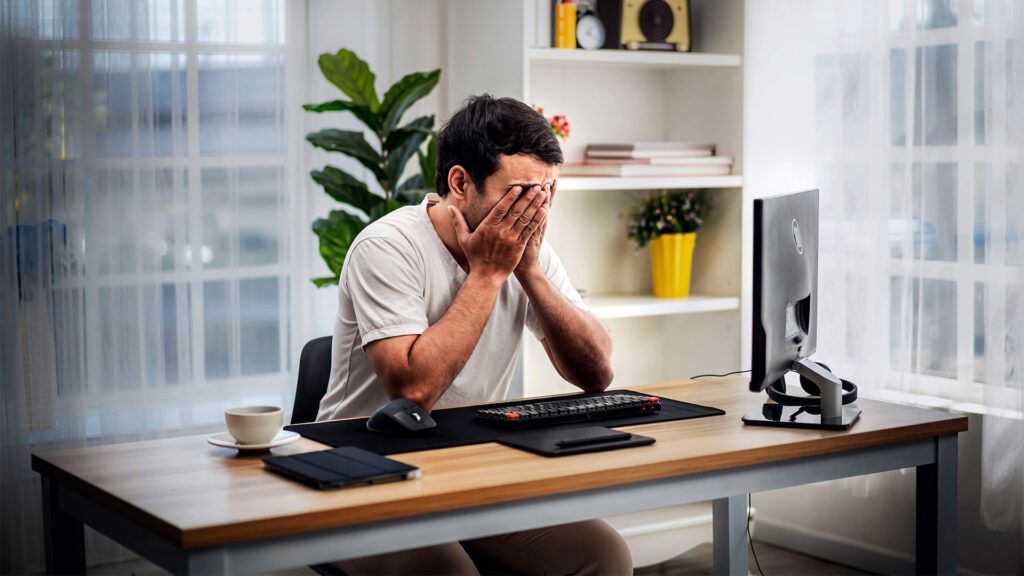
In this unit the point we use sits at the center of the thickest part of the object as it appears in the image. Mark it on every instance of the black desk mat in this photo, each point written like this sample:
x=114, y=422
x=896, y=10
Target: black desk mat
x=456, y=427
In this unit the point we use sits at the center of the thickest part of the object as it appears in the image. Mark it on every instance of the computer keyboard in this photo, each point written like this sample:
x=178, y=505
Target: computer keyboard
x=548, y=412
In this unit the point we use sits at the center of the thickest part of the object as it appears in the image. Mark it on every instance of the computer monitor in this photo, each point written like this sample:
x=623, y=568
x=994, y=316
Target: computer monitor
x=785, y=319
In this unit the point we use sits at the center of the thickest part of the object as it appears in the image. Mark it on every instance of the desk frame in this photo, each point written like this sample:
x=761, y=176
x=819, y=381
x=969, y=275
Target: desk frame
x=66, y=511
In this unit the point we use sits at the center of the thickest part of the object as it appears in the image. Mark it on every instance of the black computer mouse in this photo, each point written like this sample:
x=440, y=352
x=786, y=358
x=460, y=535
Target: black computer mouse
x=400, y=416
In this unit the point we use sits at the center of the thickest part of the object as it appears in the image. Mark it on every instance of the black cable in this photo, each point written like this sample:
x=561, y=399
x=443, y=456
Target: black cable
x=749, y=504
x=750, y=539
x=718, y=375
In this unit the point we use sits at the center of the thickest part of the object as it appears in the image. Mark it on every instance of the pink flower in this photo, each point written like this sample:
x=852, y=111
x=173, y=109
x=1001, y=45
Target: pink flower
x=559, y=125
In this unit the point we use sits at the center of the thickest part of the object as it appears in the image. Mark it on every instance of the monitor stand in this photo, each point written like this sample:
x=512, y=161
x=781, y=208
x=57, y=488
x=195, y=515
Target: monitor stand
x=829, y=414
x=772, y=414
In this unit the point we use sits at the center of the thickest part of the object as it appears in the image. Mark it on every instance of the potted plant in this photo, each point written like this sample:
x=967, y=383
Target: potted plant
x=396, y=143
x=668, y=222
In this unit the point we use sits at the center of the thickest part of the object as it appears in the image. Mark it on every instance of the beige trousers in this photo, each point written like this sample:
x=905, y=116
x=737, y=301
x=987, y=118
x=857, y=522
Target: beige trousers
x=591, y=547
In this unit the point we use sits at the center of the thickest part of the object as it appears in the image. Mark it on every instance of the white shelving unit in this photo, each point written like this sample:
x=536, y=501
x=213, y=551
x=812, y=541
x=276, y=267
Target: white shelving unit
x=624, y=96
x=649, y=182
x=609, y=306
x=659, y=60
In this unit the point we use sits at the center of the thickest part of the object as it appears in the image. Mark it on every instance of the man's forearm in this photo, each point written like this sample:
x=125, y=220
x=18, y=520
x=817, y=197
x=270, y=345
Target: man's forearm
x=440, y=353
x=579, y=344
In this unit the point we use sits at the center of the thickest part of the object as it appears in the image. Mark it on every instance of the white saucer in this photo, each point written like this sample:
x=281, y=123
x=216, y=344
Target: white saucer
x=224, y=440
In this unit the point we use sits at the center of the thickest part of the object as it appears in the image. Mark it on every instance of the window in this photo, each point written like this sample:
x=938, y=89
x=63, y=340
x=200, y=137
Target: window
x=918, y=139
x=170, y=117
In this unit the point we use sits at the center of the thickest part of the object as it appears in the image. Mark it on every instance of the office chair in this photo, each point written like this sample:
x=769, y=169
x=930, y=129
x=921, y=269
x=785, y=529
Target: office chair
x=314, y=372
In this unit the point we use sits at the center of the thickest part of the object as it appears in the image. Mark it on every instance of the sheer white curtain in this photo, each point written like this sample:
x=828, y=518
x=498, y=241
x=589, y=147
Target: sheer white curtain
x=917, y=144
x=144, y=229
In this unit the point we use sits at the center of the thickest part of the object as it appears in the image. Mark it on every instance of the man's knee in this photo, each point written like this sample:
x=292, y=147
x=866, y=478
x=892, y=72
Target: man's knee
x=586, y=548
x=606, y=550
x=442, y=560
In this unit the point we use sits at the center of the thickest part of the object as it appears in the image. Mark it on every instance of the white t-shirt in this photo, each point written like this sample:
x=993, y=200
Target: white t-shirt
x=399, y=279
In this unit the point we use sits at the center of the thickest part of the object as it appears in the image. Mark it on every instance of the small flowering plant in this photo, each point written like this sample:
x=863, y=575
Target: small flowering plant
x=678, y=212
x=559, y=123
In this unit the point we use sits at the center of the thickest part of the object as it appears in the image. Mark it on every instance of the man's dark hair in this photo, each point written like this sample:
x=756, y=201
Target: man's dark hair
x=486, y=127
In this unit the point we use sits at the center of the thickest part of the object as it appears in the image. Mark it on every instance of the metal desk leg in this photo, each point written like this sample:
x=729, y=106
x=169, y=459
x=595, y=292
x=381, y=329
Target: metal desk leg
x=936, y=510
x=63, y=535
x=730, y=534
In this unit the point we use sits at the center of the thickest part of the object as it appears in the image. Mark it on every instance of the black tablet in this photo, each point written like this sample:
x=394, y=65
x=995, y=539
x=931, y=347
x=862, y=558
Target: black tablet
x=340, y=467
x=568, y=441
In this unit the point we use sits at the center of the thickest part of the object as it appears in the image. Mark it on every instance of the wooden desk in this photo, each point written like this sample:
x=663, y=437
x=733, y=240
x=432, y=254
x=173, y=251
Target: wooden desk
x=194, y=508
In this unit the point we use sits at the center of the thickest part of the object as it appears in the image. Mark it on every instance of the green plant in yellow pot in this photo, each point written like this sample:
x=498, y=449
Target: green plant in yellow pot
x=668, y=223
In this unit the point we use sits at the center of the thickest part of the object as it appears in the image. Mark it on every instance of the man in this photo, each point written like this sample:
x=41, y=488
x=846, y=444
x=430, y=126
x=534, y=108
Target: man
x=432, y=303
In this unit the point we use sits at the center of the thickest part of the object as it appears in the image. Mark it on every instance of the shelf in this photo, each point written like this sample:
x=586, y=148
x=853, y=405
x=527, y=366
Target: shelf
x=649, y=182
x=634, y=59
x=607, y=306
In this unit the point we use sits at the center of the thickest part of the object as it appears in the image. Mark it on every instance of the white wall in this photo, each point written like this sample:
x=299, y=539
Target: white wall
x=780, y=136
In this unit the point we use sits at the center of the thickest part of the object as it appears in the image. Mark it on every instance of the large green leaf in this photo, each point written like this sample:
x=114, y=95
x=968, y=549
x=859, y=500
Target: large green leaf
x=346, y=189
x=352, y=76
x=412, y=182
x=326, y=281
x=363, y=113
x=411, y=191
x=417, y=131
x=399, y=136
x=336, y=233
x=384, y=209
x=404, y=94
x=351, y=143
x=419, y=185
x=428, y=162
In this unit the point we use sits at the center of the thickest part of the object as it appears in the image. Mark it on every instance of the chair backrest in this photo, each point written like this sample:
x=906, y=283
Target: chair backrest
x=314, y=373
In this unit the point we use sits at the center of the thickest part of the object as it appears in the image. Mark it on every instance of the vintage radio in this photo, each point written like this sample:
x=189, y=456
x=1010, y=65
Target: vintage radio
x=655, y=25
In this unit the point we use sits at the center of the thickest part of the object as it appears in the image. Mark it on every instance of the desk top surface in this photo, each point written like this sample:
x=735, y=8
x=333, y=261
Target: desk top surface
x=197, y=495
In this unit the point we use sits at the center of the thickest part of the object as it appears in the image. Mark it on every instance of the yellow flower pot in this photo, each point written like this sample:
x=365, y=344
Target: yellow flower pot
x=671, y=262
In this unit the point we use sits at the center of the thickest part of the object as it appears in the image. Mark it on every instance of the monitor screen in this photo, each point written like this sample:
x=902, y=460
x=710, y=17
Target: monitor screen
x=785, y=283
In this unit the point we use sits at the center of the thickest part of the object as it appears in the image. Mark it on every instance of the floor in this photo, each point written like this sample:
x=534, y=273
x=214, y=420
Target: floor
x=698, y=561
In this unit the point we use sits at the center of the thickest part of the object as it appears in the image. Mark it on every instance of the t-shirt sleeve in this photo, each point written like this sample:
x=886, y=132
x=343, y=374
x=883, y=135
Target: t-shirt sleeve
x=553, y=269
x=385, y=284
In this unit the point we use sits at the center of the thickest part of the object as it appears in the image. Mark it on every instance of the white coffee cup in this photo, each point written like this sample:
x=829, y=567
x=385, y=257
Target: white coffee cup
x=254, y=424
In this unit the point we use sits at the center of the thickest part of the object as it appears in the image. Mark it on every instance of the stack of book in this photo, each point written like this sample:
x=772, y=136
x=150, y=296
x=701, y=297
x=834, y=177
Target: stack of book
x=651, y=159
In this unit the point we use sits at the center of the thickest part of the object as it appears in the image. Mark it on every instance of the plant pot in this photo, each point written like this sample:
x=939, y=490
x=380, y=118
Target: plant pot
x=671, y=263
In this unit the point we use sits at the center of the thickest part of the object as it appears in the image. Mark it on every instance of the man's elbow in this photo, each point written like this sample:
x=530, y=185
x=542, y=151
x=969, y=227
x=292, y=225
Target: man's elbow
x=424, y=398
x=598, y=378
x=416, y=390
x=605, y=375
x=601, y=372
x=605, y=370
